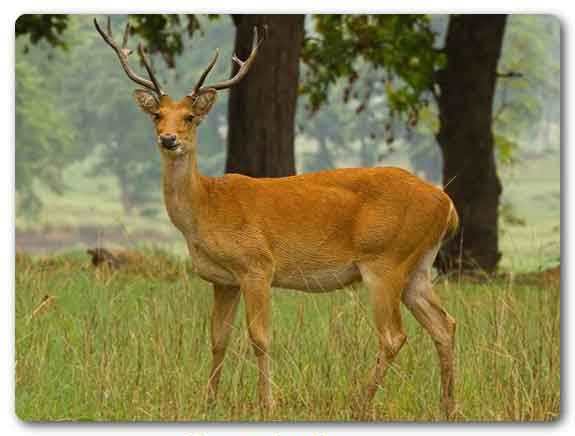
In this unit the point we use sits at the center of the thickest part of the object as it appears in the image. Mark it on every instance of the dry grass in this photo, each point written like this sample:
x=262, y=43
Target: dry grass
x=133, y=344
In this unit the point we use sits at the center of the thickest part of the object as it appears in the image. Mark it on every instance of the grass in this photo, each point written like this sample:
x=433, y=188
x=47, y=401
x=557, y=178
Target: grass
x=533, y=188
x=133, y=345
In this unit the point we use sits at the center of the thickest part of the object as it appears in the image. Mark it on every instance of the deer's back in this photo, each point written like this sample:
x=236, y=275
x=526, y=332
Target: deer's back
x=316, y=227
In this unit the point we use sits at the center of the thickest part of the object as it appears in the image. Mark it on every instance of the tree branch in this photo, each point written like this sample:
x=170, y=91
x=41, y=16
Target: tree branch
x=509, y=75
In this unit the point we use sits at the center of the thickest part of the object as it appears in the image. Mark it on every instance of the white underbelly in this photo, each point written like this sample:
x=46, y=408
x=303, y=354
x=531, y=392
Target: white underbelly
x=209, y=270
x=318, y=280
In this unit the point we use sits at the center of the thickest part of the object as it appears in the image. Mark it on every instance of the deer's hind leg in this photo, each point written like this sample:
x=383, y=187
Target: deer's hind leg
x=425, y=306
x=385, y=287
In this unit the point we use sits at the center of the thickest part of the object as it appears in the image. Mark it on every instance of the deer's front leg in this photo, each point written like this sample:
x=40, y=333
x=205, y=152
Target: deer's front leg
x=257, y=295
x=226, y=299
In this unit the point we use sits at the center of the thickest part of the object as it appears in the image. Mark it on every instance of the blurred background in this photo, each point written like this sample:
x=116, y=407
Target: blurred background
x=470, y=102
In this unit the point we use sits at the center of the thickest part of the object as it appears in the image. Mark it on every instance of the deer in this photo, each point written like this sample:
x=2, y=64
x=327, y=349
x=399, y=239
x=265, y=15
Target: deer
x=313, y=232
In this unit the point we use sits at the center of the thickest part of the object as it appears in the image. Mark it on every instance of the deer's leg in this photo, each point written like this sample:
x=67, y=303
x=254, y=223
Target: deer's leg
x=226, y=299
x=256, y=293
x=425, y=305
x=385, y=290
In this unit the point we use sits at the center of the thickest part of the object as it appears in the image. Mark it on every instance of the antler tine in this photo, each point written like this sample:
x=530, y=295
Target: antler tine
x=205, y=73
x=125, y=38
x=149, y=69
x=109, y=26
x=123, y=53
x=255, y=44
x=244, y=66
x=255, y=39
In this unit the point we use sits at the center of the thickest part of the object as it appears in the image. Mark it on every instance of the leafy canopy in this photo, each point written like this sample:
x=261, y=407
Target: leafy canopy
x=399, y=47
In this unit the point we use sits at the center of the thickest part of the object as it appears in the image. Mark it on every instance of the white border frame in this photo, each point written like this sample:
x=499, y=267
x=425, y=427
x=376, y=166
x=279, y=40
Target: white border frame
x=8, y=420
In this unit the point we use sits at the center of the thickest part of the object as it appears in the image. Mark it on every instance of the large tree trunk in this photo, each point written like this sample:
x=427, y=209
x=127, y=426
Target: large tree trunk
x=261, y=110
x=467, y=86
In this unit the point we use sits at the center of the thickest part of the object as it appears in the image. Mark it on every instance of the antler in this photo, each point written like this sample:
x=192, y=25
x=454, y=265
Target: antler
x=242, y=71
x=123, y=52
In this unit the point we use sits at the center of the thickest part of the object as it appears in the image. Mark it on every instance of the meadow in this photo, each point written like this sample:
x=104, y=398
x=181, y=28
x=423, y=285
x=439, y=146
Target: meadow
x=133, y=344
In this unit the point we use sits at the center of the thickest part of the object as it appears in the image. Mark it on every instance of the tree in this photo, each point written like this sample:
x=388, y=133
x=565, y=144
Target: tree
x=45, y=136
x=261, y=109
x=467, y=87
x=400, y=48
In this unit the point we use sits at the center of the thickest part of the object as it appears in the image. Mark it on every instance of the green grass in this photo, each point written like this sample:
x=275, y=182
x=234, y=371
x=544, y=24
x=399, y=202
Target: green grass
x=133, y=345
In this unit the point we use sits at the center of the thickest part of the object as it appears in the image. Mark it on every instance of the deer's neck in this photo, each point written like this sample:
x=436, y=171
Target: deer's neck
x=184, y=191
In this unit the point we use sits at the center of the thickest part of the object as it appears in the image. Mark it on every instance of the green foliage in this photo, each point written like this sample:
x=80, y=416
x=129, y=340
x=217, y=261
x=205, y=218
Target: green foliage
x=342, y=133
x=527, y=102
x=397, y=56
x=401, y=47
x=506, y=149
x=165, y=33
x=40, y=27
x=382, y=68
x=45, y=137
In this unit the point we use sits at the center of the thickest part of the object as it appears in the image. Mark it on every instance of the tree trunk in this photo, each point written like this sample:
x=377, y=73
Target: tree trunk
x=467, y=86
x=261, y=109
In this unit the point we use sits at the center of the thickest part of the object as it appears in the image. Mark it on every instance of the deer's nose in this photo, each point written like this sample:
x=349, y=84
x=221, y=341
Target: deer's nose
x=168, y=140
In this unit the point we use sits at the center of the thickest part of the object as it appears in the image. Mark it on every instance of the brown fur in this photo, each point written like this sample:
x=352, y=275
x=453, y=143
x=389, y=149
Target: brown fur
x=314, y=232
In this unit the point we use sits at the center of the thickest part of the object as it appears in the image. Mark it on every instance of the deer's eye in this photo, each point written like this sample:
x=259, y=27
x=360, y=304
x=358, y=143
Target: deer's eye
x=189, y=118
x=156, y=116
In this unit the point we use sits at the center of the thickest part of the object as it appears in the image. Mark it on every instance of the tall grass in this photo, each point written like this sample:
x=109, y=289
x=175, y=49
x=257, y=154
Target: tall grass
x=133, y=344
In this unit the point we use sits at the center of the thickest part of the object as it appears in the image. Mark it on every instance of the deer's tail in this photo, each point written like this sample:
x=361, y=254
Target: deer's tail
x=452, y=223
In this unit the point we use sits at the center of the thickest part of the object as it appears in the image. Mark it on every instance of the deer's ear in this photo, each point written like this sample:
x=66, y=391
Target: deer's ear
x=202, y=103
x=146, y=100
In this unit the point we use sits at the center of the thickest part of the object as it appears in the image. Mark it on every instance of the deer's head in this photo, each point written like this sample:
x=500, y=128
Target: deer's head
x=175, y=122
